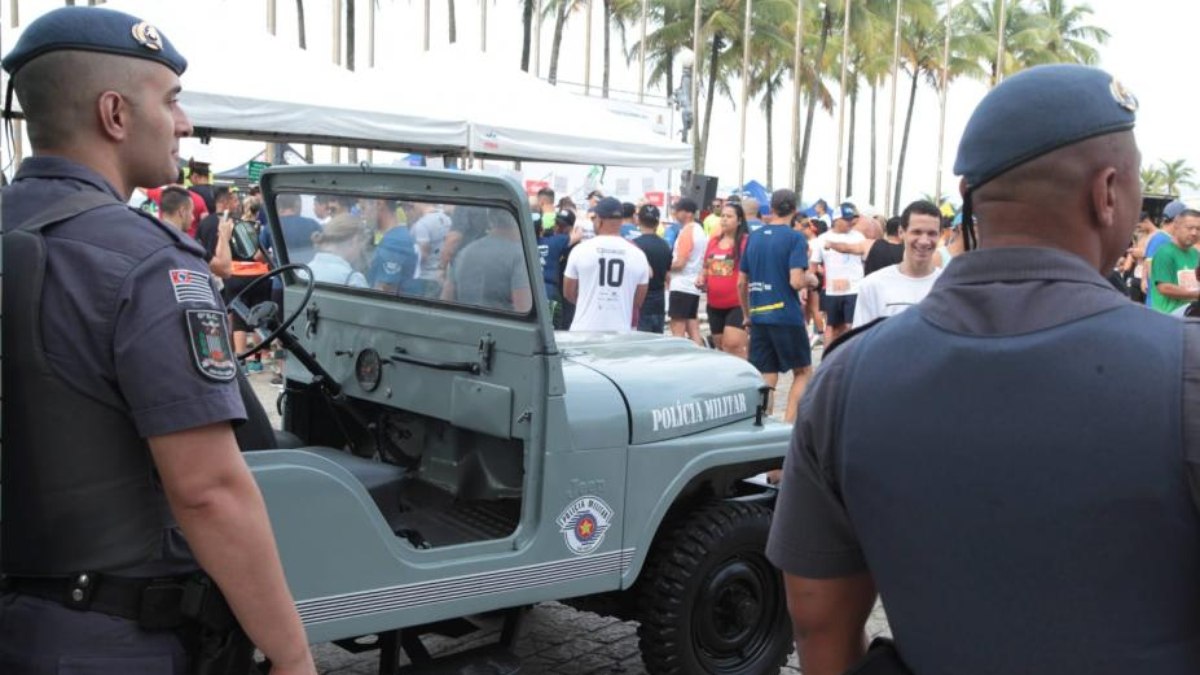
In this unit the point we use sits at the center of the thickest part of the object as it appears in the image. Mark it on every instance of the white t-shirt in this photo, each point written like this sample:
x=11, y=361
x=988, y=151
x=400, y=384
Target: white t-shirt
x=843, y=271
x=609, y=270
x=684, y=280
x=887, y=292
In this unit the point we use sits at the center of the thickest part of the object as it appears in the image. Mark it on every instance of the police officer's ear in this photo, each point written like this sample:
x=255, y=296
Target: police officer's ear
x=113, y=113
x=1105, y=196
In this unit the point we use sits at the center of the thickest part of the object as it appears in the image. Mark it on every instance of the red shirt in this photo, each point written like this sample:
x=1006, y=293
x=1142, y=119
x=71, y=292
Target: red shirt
x=199, y=208
x=720, y=272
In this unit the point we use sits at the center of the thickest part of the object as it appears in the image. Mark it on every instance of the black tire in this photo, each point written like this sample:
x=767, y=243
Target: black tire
x=709, y=601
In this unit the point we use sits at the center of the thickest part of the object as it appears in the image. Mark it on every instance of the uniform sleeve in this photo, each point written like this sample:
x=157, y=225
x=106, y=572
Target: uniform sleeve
x=811, y=535
x=798, y=259
x=171, y=347
x=1191, y=399
x=571, y=271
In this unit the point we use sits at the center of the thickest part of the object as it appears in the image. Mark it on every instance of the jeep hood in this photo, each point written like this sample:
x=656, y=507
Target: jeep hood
x=671, y=386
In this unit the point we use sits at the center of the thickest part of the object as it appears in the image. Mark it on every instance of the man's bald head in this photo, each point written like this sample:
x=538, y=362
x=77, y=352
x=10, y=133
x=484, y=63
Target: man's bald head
x=1085, y=195
x=58, y=93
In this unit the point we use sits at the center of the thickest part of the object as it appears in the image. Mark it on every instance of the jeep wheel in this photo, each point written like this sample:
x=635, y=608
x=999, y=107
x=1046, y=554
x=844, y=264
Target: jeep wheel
x=709, y=601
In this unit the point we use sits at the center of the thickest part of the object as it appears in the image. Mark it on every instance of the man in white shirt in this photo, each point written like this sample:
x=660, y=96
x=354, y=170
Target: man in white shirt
x=606, y=276
x=683, y=298
x=895, y=288
x=843, y=272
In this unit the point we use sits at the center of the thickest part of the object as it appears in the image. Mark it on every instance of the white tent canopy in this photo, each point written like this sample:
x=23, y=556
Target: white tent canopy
x=247, y=84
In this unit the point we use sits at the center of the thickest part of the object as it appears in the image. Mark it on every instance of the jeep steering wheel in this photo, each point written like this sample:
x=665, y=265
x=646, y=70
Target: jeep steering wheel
x=263, y=314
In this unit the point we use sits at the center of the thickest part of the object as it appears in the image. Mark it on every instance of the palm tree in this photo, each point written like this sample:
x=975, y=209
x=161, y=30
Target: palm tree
x=1066, y=38
x=1176, y=175
x=616, y=13
x=819, y=67
x=1023, y=39
x=771, y=51
x=673, y=33
x=1153, y=181
x=453, y=21
x=561, y=9
x=527, y=33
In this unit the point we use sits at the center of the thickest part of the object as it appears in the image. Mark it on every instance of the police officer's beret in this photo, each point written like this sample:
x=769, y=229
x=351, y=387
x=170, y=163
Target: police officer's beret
x=1038, y=111
x=93, y=29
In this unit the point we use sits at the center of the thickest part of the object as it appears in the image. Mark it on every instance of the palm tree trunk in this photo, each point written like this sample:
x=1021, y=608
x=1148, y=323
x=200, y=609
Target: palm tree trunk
x=874, y=197
x=560, y=20
x=350, y=34
x=453, y=22
x=769, y=109
x=527, y=34
x=607, y=38
x=912, y=99
x=300, y=23
x=850, y=148
x=709, y=97
x=826, y=26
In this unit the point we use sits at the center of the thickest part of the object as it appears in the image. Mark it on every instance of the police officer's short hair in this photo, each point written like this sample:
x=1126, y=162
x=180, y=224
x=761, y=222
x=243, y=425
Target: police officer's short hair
x=174, y=198
x=919, y=208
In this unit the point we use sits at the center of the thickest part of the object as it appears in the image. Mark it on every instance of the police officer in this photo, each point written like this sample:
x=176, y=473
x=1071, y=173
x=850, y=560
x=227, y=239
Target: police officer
x=1015, y=509
x=119, y=382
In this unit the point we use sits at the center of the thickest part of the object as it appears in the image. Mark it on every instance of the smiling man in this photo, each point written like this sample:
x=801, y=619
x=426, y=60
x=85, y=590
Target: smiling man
x=895, y=288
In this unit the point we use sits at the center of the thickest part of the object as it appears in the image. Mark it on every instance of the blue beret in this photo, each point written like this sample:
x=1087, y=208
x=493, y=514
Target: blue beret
x=93, y=29
x=609, y=207
x=1038, y=111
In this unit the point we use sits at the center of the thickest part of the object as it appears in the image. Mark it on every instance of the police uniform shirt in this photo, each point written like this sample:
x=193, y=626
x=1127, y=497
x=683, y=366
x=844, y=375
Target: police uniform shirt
x=826, y=508
x=130, y=316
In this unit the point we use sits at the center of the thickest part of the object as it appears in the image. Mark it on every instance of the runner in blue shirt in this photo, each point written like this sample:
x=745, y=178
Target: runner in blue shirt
x=772, y=277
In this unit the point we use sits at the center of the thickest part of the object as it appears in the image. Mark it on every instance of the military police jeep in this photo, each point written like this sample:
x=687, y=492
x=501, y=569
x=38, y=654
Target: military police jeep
x=452, y=456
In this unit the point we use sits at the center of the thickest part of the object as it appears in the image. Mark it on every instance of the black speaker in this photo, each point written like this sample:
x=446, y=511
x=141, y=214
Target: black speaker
x=701, y=188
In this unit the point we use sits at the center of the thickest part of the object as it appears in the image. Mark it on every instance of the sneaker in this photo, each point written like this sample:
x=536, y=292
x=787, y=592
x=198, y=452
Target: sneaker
x=816, y=340
x=254, y=367
x=277, y=379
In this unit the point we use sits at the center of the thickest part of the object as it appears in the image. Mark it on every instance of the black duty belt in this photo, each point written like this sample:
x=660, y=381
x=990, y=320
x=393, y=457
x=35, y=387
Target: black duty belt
x=155, y=604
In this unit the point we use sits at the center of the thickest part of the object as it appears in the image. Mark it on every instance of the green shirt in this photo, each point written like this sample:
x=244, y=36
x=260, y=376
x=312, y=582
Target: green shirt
x=1173, y=265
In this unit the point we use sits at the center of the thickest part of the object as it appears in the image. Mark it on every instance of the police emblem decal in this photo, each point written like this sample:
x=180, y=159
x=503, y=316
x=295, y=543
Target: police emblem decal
x=1123, y=96
x=211, y=351
x=147, y=36
x=584, y=523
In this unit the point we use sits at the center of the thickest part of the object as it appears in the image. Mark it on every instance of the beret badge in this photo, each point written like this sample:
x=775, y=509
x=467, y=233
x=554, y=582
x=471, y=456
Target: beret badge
x=147, y=36
x=1123, y=96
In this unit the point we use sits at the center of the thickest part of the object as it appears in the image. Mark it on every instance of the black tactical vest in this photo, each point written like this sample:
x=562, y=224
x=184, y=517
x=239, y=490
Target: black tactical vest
x=80, y=493
x=1023, y=527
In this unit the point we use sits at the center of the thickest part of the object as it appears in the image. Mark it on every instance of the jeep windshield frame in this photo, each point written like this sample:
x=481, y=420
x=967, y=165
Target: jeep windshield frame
x=492, y=195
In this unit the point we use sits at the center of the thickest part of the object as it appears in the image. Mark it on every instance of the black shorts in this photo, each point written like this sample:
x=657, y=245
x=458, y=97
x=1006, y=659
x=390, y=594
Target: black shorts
x=682, y=305
x=234, y=285
x=776, y=348
x=839, y=309
x=718, y=319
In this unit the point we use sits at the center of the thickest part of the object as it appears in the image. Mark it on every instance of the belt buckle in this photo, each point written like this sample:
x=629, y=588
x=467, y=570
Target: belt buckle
x=80, y=590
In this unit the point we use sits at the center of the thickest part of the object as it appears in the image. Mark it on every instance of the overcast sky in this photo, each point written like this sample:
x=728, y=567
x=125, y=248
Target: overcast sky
x=1142, y=53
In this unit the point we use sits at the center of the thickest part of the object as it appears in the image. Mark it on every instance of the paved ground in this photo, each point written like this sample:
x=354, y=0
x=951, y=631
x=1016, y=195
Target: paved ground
x=555, y=639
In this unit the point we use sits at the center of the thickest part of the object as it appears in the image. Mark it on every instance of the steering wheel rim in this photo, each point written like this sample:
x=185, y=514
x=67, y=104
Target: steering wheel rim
x=237, y=306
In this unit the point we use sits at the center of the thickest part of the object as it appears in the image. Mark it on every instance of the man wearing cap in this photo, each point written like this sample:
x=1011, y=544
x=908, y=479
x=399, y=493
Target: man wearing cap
x=683, y=299
x=552, y=254
x=1161, y=236
x=770, y=281
x=606, y=276
x=120, y=389
x=842, y=271
x=1056, y=512
x=652, y=316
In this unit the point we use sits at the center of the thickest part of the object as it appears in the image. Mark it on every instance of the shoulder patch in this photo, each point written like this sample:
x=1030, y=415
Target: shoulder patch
x=192, y=286
x=211, y=351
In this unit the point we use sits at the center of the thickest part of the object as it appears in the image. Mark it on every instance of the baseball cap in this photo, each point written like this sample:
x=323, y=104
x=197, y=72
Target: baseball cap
x=648, y=214
x=783, y=201
x=564, y=217
x=1172, y=210
x=608, y=207
x=846, y=211
x=686, y=204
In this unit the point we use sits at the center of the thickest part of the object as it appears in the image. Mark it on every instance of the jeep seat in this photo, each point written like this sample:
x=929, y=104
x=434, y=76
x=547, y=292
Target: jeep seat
x=382, y=481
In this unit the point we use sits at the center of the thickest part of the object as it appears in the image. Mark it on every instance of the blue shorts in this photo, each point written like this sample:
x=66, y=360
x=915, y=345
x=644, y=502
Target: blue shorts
x=779, y=348
x=839, y=309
